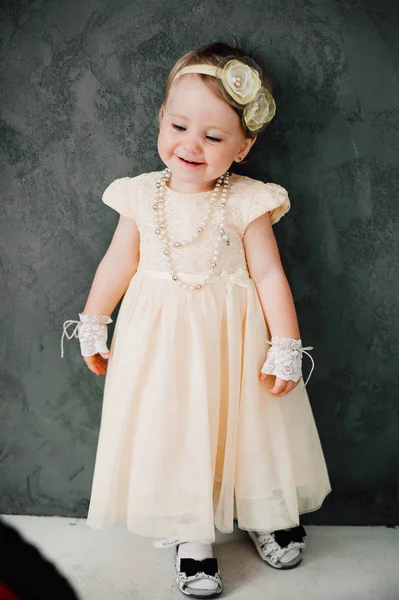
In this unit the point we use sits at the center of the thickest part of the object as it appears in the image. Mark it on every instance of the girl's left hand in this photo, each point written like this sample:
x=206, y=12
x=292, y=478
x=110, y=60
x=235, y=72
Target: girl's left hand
x=281, y=386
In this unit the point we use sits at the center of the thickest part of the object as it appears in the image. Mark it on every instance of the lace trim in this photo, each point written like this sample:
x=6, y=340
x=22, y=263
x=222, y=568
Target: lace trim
x=92, y=332
x=94, y=319
x=284, y=359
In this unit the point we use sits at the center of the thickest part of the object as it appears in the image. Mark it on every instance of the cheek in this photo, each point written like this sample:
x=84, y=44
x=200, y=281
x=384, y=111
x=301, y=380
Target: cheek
x=167, y=139
x=163, y=145
x=220, y=154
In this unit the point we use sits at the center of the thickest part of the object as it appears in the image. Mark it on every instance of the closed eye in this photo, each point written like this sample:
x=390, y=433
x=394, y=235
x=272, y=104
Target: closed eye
x=211, y=138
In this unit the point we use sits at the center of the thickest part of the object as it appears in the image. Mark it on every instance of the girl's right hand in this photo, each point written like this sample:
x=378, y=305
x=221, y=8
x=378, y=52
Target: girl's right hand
x=96, y=362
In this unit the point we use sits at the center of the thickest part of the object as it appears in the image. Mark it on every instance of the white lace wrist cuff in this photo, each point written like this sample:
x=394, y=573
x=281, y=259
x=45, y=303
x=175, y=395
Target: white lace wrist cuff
x=91, y=331
x=284, y=359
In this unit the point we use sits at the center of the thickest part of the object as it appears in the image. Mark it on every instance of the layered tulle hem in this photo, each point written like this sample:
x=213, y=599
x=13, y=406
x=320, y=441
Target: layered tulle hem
x=190, y=439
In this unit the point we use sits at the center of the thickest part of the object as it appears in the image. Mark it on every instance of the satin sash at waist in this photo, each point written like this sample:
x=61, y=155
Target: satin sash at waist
x=239, y=277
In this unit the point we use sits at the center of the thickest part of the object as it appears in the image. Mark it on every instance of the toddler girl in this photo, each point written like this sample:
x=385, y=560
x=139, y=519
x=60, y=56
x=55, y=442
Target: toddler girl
x=206, y=418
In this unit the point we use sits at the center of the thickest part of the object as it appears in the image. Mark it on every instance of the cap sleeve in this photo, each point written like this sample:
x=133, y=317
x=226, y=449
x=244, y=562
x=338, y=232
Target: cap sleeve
x=269, y=197
x=122, y=196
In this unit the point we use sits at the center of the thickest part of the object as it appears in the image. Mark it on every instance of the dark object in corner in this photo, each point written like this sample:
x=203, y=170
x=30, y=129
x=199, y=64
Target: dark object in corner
x=24, y=572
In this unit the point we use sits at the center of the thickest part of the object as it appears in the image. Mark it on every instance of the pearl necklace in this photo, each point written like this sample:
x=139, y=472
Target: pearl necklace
x=161, y=229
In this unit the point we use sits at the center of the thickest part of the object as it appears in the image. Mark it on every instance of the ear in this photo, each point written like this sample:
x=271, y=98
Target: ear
x=245, y=148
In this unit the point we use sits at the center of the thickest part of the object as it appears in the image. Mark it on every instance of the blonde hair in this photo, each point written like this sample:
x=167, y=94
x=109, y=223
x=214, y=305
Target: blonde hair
x=216, y=54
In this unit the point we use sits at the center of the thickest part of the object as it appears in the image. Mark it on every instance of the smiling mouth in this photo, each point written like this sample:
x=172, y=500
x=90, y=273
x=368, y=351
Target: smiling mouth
x=190, y=162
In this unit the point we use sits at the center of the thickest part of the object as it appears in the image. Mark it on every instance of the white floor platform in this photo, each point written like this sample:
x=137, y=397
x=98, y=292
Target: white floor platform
x=341, y=563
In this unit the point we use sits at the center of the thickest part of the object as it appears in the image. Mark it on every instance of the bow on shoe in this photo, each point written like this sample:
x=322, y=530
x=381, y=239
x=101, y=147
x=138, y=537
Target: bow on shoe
x=284, y=538
x=190, y=567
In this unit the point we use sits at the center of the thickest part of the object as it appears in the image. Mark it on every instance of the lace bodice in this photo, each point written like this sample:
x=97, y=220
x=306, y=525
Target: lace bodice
x=247, y=199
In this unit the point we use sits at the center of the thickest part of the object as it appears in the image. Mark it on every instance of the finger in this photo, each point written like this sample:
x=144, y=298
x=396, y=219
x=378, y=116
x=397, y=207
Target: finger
x=96, y=364
x=91, y=364
x=101, y=364
x=99, y=360
x=288, y=388
x=279, y=384
x=90, y=360
x=278, y=387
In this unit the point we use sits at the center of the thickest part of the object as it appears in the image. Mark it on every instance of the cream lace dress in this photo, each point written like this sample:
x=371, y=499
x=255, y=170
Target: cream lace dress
x=190, y=438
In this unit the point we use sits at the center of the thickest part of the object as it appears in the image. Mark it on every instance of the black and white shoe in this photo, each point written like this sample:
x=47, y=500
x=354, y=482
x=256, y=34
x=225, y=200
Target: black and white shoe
x=189, y=570
x=281, y=549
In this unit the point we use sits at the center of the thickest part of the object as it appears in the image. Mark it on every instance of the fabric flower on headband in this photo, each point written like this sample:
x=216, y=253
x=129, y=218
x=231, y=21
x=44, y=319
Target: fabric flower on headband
x=260, y=111
x=240, y=81
x=243, y=84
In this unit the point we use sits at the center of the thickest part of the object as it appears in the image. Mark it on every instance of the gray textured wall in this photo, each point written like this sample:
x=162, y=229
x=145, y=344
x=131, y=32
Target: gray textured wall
x=82, y=82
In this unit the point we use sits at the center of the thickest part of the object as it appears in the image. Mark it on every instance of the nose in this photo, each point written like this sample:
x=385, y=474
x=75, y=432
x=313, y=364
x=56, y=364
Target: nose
x=192, y=144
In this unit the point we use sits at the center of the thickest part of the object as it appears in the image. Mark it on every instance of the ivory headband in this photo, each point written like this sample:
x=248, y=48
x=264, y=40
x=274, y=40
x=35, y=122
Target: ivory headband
x=244, y=87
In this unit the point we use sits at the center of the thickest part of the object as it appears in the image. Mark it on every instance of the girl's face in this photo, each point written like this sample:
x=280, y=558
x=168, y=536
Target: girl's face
x=200, y=136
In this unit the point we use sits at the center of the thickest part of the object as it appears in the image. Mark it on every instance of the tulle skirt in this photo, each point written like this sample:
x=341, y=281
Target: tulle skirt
x=190, y=439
